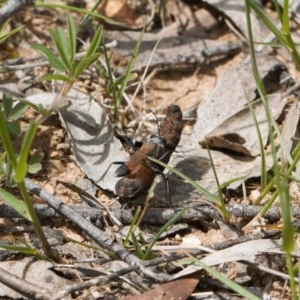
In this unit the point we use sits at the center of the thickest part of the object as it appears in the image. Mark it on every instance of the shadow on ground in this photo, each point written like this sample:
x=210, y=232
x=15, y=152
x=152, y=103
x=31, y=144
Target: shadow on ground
x=180, y=191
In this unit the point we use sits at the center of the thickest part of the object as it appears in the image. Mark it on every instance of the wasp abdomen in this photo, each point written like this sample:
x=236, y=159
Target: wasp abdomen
x=132, y=185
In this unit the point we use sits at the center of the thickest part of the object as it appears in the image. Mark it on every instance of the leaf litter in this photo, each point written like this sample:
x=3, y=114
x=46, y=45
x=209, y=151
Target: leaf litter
x=230, y=129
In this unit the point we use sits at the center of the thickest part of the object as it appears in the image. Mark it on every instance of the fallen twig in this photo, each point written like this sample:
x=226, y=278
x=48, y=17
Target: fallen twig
x=11, y=7
x=97, y=235
x=154, y=216
x=23, y=287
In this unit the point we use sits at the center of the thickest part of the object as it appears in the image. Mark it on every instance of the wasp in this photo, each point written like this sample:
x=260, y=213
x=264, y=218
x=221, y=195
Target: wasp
x=139, y=172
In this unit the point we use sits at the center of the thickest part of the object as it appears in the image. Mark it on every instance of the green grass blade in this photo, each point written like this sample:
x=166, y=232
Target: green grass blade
x=12, y=32
x=233, y=180
x=278, y=10
x=279, y=180
x=72, y=38
x=127, y=77
x=264, y=173
x=85, y=63
x=50, y=56
x=286, y=18
x=6, y=140
x=138, y=250
x=229, y=283
x=294, y=51
x=132, y=226
x=91, y=54
x=131, y=77
x=61, y=42
x=288, y=230
x=288, y=227
x=263, y=17
x=222, y=205
x=262, y=93
x=94, y=43
x=18, y=205
x=21, y=169
x=21, y=249
x=173, y=220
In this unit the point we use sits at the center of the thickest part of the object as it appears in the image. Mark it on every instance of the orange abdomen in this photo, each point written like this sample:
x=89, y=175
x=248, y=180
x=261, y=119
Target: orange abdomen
x=136, y=183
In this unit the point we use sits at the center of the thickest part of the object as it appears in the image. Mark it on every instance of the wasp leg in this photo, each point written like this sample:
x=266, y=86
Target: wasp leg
x=113, y=163
x=167, y=187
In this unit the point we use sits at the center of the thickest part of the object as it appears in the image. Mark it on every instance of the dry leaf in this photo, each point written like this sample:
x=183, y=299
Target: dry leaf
x=235, y=11
x=242, y=252
x=94, y=144
x=37, y=272
x=224, y=118
x=178, y=290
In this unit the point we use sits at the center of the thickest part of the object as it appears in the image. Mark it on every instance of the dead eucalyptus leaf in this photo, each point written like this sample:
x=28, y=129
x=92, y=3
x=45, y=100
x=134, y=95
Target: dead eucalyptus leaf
x=177, y=289
x=247, y=251
x=194, y=162
x=238, y=134
x=36, y=272
x=94, y=144
x=234, y=10
x=224, y=117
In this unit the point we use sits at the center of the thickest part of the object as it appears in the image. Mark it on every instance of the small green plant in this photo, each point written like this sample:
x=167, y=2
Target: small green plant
x=67, y=65
x=19, y=168
x=12, y=112
x=143, y=249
